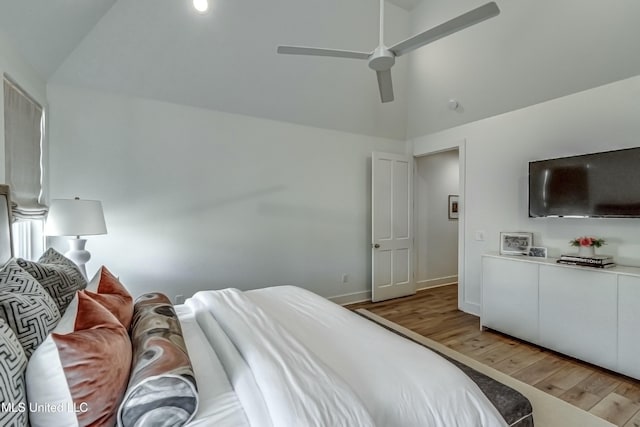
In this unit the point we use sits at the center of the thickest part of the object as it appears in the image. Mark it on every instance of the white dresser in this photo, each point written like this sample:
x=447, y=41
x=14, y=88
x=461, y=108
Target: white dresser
x=587, y=313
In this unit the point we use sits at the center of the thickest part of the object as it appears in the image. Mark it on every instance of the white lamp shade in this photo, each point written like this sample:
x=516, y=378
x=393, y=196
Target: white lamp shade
x=75, y=217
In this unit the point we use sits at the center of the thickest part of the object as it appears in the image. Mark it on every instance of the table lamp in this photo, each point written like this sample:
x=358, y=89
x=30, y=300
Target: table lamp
x=75, y=217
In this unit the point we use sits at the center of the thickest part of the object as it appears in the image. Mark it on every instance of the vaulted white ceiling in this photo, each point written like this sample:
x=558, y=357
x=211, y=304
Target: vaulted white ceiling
x=534, y=51
x=45, y=32
x=226, y=59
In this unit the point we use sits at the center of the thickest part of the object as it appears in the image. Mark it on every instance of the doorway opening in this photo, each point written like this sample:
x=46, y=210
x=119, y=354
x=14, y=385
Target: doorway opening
x=437, y=195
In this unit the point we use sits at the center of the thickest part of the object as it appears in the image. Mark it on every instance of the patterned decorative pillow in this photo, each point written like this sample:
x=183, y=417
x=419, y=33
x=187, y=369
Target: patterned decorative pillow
x=26, y=307
x=12, y=387
x=84, y=372
x=162, y=389
x=59, y=276
x=113, y=295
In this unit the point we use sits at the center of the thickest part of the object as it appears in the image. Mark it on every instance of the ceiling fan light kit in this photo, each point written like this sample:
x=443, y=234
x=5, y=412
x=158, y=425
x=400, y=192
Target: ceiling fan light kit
x=383, y=58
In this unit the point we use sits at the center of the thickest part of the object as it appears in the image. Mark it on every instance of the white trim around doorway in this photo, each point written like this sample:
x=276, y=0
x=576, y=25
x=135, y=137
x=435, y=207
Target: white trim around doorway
x=420, y=150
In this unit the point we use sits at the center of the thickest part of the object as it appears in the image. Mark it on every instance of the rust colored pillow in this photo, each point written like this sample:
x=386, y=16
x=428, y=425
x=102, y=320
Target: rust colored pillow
x=84, y=372
x=112, y=294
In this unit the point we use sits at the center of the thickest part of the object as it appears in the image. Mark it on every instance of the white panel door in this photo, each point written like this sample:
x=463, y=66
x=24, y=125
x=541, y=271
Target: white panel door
x=391, y=223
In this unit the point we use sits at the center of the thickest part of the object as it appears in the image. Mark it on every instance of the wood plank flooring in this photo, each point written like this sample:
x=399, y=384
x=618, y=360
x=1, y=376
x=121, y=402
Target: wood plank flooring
x=434, y=313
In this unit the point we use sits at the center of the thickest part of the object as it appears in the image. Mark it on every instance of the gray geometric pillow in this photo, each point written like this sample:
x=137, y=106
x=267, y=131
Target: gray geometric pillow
x=26, y=307
x=13, y=393
x=58, y=275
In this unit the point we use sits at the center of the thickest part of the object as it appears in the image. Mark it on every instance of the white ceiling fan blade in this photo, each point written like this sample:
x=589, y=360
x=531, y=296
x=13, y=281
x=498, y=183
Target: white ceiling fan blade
x=385, y=85
x=301, y=50
x=461, y=22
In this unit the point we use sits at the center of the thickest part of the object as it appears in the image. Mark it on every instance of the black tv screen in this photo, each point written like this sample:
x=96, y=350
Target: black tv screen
x=605, y=185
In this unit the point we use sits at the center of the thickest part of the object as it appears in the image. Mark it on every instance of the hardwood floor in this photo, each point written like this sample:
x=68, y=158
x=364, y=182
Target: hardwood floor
x=433, y=313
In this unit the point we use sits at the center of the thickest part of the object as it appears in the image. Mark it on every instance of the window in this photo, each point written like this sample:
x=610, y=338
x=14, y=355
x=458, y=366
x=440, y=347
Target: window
x=23, y=138
x=28, y=238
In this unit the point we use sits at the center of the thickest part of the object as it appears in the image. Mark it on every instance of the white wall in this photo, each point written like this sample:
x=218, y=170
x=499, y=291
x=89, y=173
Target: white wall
x=437, y=177
x=497, y=153
x=198, y=199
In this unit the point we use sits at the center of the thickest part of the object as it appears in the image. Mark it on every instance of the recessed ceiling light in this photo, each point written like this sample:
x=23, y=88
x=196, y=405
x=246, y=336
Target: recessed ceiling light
x=201, y=5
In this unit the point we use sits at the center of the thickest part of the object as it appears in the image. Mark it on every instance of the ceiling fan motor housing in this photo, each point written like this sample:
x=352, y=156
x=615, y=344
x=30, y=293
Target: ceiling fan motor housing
x=382, y=59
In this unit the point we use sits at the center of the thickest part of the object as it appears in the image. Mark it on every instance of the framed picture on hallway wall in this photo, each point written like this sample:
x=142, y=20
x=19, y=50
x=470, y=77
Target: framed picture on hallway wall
x=453, y=206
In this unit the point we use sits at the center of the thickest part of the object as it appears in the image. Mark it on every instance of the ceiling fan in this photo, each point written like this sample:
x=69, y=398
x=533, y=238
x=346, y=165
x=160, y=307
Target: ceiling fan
x=382, y=58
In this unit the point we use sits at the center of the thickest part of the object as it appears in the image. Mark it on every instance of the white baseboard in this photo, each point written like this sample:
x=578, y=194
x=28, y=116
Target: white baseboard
x=351, y=298
x=439, y=281
x=469, y=307
x=364, y=296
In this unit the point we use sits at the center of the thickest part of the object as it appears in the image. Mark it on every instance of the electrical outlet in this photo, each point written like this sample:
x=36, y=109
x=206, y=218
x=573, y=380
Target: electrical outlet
x=179, y=299
x=345, y=278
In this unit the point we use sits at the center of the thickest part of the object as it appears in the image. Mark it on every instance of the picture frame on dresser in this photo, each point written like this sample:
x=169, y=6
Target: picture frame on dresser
x=537, y=252
x=515, y=243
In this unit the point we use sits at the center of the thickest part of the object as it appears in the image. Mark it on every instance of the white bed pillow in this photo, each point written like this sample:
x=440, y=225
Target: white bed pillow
x=68, y=319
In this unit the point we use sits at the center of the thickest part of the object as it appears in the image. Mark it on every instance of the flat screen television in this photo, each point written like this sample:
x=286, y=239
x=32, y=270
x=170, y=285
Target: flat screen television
x=599, y=185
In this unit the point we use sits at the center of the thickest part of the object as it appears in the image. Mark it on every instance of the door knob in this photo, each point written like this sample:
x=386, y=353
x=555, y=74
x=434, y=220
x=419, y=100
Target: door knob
x=376, y=246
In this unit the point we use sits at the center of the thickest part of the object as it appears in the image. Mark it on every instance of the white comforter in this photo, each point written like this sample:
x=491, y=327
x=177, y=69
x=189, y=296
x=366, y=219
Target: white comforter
x=297, y=388
x=303, y=361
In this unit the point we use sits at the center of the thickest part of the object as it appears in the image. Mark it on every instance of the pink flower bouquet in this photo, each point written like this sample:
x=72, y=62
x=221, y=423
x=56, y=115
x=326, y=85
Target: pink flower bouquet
x=587, y=241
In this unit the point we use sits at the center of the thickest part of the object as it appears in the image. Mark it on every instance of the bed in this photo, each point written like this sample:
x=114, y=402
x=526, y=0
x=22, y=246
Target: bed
x=276, y=357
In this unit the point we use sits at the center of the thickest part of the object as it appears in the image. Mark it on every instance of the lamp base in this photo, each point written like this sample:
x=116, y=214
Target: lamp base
x=78, y=254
